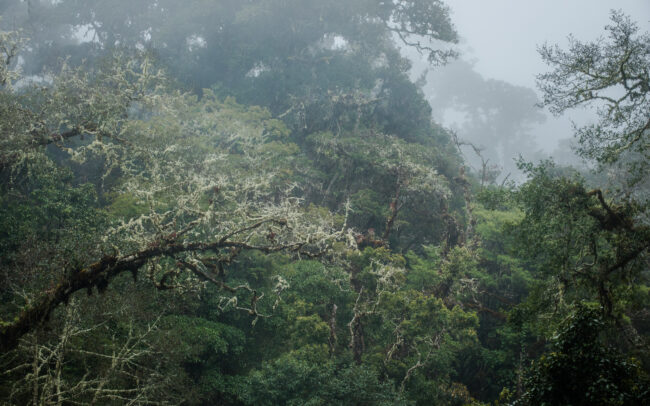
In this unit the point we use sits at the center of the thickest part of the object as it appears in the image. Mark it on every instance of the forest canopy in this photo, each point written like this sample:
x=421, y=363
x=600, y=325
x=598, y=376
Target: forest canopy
x=248, y=203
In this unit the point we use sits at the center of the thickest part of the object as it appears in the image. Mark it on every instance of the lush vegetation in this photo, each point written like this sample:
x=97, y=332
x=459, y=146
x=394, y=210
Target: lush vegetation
x=248, y=203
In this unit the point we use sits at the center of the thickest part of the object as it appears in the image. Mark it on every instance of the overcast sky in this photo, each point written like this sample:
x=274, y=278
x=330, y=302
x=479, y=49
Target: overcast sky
x=500, y=37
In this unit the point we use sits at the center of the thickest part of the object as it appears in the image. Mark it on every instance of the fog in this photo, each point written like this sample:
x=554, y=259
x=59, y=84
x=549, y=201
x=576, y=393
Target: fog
x=499, y=62
x=323, y=202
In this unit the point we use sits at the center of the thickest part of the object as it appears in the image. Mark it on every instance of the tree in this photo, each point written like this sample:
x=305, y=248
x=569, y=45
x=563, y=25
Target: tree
x=614, y=75
x=189, y=185
x=110, y=171
x=74, y=362
x=584, y=370
x=588, y=247
x=10, y=43
x=307, y=376
x=606, y=245
x=591, y=247
x=284, y=55
x=394, y=189
x=498, y=115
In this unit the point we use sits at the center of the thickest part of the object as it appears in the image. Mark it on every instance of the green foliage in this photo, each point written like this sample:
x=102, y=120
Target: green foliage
x=423, y=270
x=199, y=339
x=508, y=274
x=495, y=198
x=126, y=206
x=308, y=377
x=377, y=172
x=48, y=225
x=314, y=225
x=204, y=348
x=581, y=369
x=47, y=202
x=589, y=248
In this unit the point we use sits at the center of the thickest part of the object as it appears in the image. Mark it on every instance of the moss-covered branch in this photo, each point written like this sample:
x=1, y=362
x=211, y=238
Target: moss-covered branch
x=99, y=274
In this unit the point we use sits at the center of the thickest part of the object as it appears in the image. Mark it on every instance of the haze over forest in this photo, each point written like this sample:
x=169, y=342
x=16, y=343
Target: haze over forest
x=324, y=202
x=498, y=43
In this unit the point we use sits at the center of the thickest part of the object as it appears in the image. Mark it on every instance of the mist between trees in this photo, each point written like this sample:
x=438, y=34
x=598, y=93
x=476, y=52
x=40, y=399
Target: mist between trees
x=249, y=203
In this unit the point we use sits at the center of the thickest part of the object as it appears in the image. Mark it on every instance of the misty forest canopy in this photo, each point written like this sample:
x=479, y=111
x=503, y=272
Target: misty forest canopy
x=497, y=118
x=248, y=203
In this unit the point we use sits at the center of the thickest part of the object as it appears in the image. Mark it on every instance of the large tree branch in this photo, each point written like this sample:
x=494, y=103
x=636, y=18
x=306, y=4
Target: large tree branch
x=99, y=275
x=44, y=138
x=440, y=56
x=623, y=260
x=609, y=221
